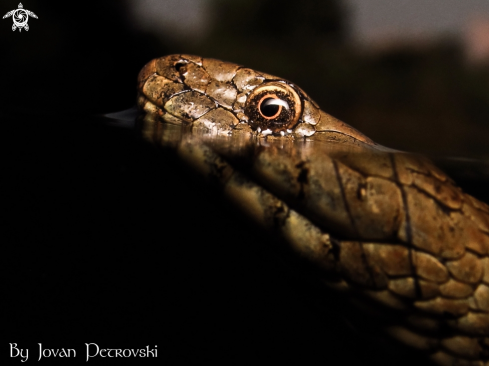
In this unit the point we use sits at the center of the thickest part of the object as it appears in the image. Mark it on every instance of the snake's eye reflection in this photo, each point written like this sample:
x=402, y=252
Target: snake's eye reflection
x=273, y=106
x=270, y=106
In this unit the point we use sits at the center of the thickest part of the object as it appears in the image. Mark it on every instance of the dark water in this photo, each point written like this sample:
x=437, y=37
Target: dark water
x=108, y=240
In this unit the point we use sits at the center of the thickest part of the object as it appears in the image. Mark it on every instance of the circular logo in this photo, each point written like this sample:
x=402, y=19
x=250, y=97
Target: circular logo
x=20, y=17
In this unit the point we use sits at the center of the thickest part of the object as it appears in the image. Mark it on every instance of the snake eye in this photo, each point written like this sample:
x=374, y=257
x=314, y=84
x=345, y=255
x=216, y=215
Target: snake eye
x=274, y=106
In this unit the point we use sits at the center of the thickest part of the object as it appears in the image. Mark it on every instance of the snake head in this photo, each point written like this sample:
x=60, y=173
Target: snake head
x=229, y=98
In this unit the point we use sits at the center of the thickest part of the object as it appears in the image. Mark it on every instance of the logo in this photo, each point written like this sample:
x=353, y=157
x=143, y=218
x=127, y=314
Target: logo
x=20, y=17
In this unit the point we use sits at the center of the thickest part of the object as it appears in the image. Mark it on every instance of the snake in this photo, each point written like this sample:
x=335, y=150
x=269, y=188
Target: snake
x=386, y=228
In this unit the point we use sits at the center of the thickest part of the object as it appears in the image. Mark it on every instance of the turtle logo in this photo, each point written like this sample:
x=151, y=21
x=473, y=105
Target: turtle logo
x=20, y=17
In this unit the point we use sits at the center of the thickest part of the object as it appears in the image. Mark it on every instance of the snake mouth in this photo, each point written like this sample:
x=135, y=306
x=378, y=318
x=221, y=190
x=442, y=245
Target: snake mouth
x=172, y=119
x=190, y=108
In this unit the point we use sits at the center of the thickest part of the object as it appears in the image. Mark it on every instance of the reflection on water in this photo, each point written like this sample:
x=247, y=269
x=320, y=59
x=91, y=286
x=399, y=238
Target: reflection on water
x=242, y=148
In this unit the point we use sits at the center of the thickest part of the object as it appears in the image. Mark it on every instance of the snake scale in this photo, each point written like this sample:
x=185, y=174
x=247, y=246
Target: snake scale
x=387, y=228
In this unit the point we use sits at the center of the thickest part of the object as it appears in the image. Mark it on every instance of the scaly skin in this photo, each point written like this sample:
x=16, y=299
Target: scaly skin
x=386, y=227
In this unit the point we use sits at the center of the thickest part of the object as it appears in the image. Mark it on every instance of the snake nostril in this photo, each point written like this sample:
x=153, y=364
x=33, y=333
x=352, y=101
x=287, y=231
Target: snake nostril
x=181, y=67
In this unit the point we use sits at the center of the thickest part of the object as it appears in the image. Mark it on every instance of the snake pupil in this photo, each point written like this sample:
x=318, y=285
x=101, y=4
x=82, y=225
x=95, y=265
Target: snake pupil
x=269, y=110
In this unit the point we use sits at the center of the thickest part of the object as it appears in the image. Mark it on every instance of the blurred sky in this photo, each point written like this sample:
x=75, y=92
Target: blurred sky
x=174, y=18
x=371, y=21
x=378, y=19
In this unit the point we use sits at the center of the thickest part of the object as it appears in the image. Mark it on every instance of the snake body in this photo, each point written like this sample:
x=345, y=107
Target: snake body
x=387, y=228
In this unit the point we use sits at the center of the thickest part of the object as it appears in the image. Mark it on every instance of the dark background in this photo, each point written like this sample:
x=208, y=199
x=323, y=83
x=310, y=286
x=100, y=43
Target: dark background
x=107, y=240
